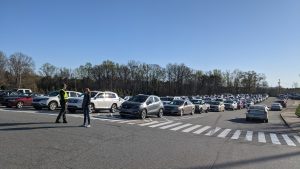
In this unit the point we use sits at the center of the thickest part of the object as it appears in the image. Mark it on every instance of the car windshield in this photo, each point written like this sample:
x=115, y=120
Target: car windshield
x=257, y=108
x=177, y=102
x=196, y=101
x=228, y=101
x=215, y=103
x=166, y=99
x=93, y=94
x=138, y=98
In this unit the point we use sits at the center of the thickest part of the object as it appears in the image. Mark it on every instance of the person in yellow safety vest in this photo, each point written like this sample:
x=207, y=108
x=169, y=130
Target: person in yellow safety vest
x=63, y=99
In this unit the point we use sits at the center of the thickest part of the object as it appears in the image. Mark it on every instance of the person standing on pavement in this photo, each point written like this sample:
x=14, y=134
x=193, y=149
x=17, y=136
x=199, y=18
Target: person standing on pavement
x=63, y=99
x=86, y=107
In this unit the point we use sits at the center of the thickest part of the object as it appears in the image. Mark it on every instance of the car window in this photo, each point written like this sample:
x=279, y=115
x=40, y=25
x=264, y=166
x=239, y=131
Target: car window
x=111, y=95
x=72, y=94
x=156, y=99
x=150, y=100
x=101, y=95
x=27, y=91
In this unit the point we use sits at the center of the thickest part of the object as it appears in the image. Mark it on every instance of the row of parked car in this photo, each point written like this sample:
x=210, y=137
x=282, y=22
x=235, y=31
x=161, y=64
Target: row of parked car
x=139, y=105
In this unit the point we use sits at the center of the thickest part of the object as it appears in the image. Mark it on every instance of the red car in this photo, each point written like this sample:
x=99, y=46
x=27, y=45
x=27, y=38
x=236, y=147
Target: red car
x=18, y=101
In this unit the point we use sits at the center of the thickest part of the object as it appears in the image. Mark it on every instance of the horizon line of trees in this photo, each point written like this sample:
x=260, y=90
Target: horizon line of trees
x=18, y=71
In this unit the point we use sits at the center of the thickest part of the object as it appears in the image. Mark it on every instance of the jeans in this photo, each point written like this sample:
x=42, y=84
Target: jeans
x=86, y=114
x=62, y=112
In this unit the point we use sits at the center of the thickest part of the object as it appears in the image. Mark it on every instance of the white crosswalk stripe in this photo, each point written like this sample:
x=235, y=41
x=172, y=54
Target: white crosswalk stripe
x=297, y=138
x=249, y=136
x=201, y=130
x=191, y=128
x=169, y=126
x=288, y=140
x=213, y=131
x=128, y=121
x=161, y=124
x=236, y=134
x=224, y=133
x=147, y=124
x=274, y=138
x=261, y=137
x=180, y=127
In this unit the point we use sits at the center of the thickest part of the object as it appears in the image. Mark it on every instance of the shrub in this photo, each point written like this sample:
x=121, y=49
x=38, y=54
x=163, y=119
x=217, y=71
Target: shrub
x=298, y=111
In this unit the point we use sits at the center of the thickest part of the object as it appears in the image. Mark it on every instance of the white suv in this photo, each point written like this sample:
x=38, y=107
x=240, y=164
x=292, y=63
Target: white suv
x=99, y=101
x=51, y=101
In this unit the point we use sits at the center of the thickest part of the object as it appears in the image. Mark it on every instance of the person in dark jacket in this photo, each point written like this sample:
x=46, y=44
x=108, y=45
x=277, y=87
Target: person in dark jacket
x=86, y=107
x=63, y=99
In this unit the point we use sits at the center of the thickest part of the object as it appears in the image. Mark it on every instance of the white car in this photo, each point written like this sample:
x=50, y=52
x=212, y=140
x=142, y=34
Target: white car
x=51, y=101
x=99, y=101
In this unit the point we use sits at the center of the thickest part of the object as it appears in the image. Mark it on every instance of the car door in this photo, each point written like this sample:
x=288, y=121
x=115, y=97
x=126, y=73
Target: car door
x=185, y=107
x=156, y=104
x=99, y=100
x=150, y=105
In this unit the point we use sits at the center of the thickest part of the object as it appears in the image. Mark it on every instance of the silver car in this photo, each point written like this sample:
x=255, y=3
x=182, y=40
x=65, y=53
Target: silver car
x=141, y=106
x=258, y=112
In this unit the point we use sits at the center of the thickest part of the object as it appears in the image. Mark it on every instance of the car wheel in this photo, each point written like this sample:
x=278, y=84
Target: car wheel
x=93, y=108
x=143, y=114
x=181, y=112
x=206, y=111
x=266, y=121
x=193, y=112
x=52, y=105
x=19, y=105
x=160, y=113
x=201, y=111
x=113, y=108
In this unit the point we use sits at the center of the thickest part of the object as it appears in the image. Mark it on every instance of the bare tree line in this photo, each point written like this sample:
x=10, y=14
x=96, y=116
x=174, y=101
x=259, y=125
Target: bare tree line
x=128, y=79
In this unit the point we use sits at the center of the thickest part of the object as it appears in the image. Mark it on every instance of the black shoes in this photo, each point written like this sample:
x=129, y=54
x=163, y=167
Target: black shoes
x=65, y=121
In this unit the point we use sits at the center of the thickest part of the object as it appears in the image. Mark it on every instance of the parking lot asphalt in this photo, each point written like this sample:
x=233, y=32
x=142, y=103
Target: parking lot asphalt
x=31, y=139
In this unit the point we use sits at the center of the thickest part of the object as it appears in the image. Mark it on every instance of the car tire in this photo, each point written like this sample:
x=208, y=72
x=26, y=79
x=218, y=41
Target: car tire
x=113, y=108
x=193, y=112
x=181, y=112
x=143, y=114
x=160, y=113
x=19, y=105
x=52, y=105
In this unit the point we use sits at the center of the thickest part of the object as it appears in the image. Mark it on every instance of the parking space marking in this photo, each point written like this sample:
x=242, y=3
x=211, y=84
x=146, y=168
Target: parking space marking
x=213, y=131
x=224, y=133
x=180, y=127
x=236, y=135
x=297, y=138
x=201, y=130
x=261, y=137
x=288, y=140
x=191, y=128
x=274, y=138
x=150, y=123
x=249, y=136
x=169, y=126
x=161, y=124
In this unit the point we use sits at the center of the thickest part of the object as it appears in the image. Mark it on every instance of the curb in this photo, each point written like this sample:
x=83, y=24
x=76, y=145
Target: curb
x=284, y=120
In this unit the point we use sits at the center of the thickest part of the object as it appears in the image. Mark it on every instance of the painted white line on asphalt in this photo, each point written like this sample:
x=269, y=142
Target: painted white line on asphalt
x=297, y=138
x=224, y=133
x=261, y=137
x=288, y=140
x=249, y=136
x=150, y=123
x=274, y=138
x=180, y=127
x=236, y=135
x=191, y=128
x=201, y=130
x=161, y=124
x=169, y=126
x=213, y=131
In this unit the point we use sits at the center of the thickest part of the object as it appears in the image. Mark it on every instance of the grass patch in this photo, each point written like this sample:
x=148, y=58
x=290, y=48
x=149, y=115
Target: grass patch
x=298, y=111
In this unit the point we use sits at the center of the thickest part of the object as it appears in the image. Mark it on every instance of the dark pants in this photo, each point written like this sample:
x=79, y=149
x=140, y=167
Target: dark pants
x=86, y=114
x=62, y=112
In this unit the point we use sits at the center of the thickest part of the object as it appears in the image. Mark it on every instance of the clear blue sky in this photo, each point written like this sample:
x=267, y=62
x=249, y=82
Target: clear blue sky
x=259, y=35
